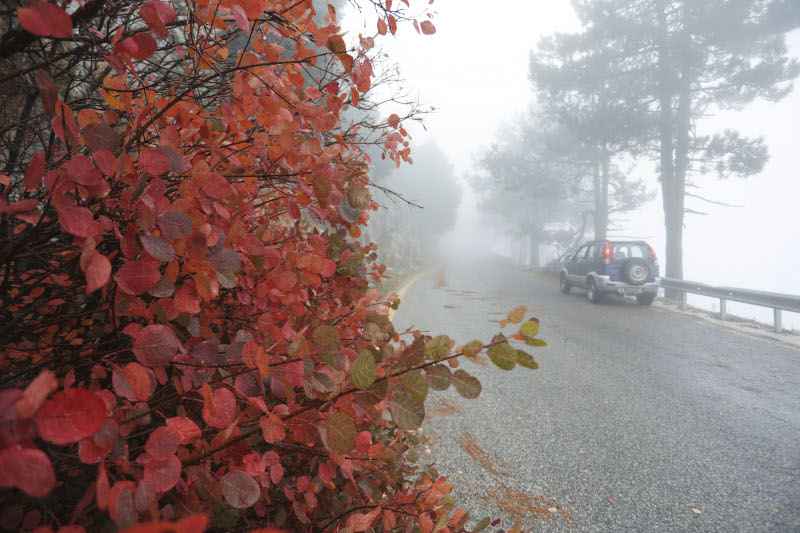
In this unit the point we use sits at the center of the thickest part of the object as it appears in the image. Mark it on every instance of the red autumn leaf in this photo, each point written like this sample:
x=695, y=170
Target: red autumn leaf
x=362, y=521
x=240, y=490
x=45, y=20
x=154, y=162
x=35, y=172
x=175, y=160
x=81, y=169
x=28, y=469
x=101, y=136
x=23, y=206
x=224, y=409
x=162, y=443
x=175, y=225
x=427, y=27
x=195, y=523
x=157, y=14
x=164, y=473
x=158, y=248
x=13, y=428
x=98, y=272
x=120, y=502
x=79, y=221
x=36, y=392
x=144, y=496
x=70, y=415
x=48, y=91
x=216, y=186
x=106, y=162
x=185, y=428
x=272, y=428
x=382, y=28
x=155, y=346
x=241, y=18
x=138, y=47
x=136, y=277
x=140, y=380
x=329, y=269
x=286, y=281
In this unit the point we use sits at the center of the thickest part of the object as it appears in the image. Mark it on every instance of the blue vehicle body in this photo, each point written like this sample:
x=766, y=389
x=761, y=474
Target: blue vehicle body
x=621, y=267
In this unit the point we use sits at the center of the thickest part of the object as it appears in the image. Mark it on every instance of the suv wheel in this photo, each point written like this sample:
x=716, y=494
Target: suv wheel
x=636, y=272
x=646, y=298
x=564, y=284
x=591, y=292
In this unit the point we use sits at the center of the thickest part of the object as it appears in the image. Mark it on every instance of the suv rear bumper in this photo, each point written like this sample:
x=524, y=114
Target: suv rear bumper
x=604, y=284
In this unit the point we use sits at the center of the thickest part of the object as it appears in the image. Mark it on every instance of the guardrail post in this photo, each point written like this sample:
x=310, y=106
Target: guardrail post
x=684, y=301
x=776, y=314
x=723, y=309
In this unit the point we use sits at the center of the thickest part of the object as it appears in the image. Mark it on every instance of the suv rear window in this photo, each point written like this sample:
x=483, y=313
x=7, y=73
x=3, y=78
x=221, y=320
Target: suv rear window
x=622, y=251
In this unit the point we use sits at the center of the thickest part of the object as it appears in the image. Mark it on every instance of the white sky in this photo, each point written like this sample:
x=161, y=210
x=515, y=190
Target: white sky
x=474, y=71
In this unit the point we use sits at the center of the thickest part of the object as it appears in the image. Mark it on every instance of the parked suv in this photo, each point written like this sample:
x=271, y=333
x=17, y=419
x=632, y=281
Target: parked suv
x=621, y=267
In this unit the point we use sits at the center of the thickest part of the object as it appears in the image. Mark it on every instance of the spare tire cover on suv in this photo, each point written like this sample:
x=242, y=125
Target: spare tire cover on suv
x=636, y=272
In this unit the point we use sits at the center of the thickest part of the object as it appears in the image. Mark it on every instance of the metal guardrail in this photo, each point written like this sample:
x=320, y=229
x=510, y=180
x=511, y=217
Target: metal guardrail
x=777, y=301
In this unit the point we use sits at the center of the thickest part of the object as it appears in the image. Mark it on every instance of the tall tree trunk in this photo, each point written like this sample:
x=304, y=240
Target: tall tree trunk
x=601, y=208
x=597, y=189
x=673, y=219
x=683, y=127
x=534, y=249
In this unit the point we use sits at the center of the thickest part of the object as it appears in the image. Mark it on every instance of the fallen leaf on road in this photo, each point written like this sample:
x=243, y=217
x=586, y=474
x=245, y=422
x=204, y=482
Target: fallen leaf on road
x=696, y=511
x=773, y=509
x=552, y=510
x=611, y=501
x=580, y=450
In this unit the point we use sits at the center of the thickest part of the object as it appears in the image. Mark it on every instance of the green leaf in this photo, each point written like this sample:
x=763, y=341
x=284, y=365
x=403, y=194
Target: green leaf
x=539, y=343
x=530, y=328
x=503, y=355
x=407, y=413
x=461, y=522
x=416, y=385
x=412, y=355
x=363, y=371
x=438, y=377
x=517, y=314
x=526, y=360
x=483, y=524
x=340, y=433
x=258, y=261
x=467, y=386
x=413, y=456
x=438, y=348
x=472, y=348
x=373, y=394
x=326, y=336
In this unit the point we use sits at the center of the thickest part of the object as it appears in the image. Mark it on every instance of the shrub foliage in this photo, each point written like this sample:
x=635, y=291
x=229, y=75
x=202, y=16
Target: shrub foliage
x=191, y=336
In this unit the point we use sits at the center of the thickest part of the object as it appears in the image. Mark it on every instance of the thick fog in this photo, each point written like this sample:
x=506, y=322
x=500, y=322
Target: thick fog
x=475, y=72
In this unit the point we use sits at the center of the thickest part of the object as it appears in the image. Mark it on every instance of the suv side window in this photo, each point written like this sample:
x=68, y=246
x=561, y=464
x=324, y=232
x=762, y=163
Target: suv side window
x=592, y=252
x=580, y=253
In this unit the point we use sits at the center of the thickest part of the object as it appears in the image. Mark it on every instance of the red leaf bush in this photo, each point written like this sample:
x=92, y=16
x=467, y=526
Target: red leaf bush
x=191, y=337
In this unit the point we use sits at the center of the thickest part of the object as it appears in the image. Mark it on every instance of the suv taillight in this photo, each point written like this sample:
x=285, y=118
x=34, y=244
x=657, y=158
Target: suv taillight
x=655, y=258
x=607, y=253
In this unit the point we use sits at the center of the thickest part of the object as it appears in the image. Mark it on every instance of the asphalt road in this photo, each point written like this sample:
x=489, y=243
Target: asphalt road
x=682, y=425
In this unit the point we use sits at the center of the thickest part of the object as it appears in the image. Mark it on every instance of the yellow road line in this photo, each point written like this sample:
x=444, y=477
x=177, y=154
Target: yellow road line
x=402, y=292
